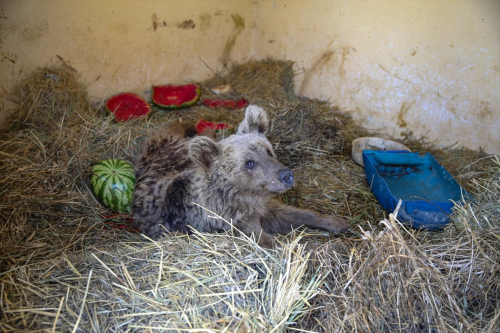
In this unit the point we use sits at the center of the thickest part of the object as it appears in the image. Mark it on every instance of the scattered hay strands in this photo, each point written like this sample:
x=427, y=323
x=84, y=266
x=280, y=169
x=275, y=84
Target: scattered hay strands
x=399, y=280
x=60, y=271
x=215, y=282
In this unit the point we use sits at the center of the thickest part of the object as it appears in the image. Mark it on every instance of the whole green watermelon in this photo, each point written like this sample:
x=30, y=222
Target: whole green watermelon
x=112, y=183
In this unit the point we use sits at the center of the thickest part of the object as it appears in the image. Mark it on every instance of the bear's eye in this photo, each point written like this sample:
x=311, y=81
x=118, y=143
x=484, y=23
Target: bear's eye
x=250, y=165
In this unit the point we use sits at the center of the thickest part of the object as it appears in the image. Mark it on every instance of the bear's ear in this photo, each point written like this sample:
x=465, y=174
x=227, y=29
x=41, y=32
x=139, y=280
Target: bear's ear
x=204, y=151
x=255, y=121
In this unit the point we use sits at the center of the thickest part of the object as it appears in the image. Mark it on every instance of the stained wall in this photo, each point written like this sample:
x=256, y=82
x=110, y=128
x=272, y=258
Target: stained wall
x=429, y=67
x=123, y=45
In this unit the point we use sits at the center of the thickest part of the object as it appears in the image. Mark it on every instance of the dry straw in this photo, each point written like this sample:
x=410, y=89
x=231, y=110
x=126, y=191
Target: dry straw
x=61, y=272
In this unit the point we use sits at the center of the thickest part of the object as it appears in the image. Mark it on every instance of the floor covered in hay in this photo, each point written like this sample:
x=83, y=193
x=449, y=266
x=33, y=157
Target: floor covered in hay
x=65, y=267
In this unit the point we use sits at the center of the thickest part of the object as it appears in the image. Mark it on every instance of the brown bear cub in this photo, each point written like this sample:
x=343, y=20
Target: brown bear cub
x=179, y=182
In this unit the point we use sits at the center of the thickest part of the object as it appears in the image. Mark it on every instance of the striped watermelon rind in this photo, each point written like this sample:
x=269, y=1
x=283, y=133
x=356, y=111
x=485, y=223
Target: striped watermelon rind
x=175, y=96
x=127, y=106
x=112, y=183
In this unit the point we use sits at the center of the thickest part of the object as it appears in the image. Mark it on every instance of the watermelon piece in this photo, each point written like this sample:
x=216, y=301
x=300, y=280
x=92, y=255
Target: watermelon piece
x=127, y=106
x=202, y=125
x=217, y=103
x=176, y=97
x=112, y=183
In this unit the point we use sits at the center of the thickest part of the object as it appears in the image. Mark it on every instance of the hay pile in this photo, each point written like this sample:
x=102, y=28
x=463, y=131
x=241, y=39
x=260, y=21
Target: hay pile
x=63, y=269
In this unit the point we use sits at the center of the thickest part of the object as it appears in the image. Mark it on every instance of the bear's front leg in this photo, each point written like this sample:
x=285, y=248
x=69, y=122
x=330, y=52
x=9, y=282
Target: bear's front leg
x=282, y=219
x=254, y=227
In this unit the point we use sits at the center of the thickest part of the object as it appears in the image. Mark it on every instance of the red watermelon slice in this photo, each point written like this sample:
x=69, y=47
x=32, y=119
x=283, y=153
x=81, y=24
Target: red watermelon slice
x=202, y=125
x=127, y=106
x=217, y=103
x=176, y=97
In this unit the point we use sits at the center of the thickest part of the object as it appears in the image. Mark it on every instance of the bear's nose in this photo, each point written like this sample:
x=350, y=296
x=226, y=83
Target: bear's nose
x=286, y=176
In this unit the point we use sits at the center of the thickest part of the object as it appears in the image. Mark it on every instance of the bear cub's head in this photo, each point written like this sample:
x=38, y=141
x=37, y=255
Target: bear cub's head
x=243, y=163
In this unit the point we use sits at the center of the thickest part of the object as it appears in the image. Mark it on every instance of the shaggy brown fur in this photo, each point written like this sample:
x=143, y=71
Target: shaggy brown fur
x=179, y=182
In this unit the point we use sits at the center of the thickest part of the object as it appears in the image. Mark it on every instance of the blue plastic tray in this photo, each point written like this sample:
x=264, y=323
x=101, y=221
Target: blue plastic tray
x=424, y=186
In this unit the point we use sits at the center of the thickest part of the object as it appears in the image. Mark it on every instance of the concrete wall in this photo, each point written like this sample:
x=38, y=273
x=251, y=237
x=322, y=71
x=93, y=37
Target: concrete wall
x=431, y=67
x=129, y=45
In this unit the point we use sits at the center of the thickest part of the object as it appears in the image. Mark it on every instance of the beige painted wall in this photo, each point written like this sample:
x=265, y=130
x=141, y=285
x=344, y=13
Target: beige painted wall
x=129, y=45
x=432, y=67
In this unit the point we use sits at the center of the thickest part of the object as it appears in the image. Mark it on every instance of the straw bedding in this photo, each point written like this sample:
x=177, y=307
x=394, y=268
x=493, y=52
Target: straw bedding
x=63, y=267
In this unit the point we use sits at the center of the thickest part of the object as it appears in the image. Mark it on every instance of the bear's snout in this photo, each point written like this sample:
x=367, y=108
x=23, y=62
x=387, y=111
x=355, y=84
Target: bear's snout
x=286, y=176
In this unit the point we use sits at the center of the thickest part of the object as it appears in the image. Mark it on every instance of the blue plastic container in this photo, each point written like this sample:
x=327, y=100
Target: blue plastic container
x=424, y=186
